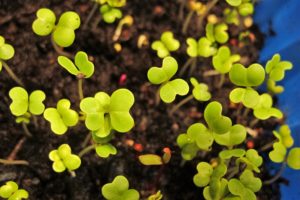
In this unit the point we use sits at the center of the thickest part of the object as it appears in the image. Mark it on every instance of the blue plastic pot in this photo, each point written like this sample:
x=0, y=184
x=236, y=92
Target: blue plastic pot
x=279, y=21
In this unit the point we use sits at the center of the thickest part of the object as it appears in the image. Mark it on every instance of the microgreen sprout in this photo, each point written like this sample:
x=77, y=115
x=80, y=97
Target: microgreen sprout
x=217, y=32
x=157, y=196
x=248, y=96
x=252, y=160
x=273, y=88
x=165, y=45
x=82, y=68
x=63, y=32
x=204, y=47
x=245, y=7
x=11, y=191
x=162, y=75
x=110, y=14
x=118, y=189
x=61, y=117
x=276, y=68
x=153, y=159
x=7, y=51
x=264, y=110
x=127, y=20
x=223, y=60
x=64, y=159
x=231, y=16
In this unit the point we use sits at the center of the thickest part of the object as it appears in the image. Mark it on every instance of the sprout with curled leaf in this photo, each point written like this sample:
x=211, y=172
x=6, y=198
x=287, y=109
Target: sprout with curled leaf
x=62, y=33
x=153, y=159
x=11, y=191
x=25, y=106
x=275, y=69
x=64, y=159
x=82, y=68
x=200, y=92
x=157, y=196
x=165, y=45
x=61, y=117
x=118, y=189
x=244, y=7
x=104, y=113
x=7, y=51
x=162, y=76
x=220, y=130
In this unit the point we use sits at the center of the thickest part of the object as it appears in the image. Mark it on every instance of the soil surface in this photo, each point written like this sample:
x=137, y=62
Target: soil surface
x=35, y=63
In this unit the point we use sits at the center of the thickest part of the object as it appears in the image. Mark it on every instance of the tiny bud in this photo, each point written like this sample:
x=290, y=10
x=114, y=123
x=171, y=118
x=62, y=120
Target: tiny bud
x=142, y=41
x=118, y=47
x=122, y=79
x=212, y=19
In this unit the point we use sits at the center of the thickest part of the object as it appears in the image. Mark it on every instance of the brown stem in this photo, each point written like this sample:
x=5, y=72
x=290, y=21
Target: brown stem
x=193, y=66
x=266, y=146
x=16, y=149
x=211, y=73
x=80, y=90
x=11, y=73
x=14, y=162
x=187, y=21
x=221, y=81
x=182, y=102
x=181, y=9
x=91, y=14
x=59, y=50
x=26, y=131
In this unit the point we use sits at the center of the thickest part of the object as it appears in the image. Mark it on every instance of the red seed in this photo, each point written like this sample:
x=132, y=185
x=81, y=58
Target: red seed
x=122, y=79
x=250, y=144
x=138, y=147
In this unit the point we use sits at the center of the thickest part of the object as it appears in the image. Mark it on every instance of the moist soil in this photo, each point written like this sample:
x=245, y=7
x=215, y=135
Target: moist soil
x=35, y=63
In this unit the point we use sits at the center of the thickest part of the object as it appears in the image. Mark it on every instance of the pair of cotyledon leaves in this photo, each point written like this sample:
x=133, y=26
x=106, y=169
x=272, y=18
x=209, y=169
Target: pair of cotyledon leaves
x=118, y=189
x=23, y=103
x=61, y=117
x=224, y=60
x=11, y=191
x=81, y=67
x=110, y=14
x=200, y=90
x=64, y=159
x=165, y=45
x=104, y=112
x=162, y=75
x=245, y=7
x=113, y=3
x=276, y=68
x=63, y=33
x=6, y=51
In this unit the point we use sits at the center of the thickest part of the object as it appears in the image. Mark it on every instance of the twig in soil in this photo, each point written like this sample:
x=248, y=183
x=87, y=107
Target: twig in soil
x=12, y=74
x=80, y=90
x=72, y=173
x=59, y=50
x=16, y=149
x=192, y=62
x=86, y=150
x=277, y=175
x=187, y=21
x=14, y=162
x=209, y=6
x=26, y=131
x=91, y=14
x=181, y=103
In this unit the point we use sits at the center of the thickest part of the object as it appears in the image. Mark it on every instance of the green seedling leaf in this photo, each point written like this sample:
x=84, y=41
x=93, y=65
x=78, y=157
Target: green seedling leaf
x=119, y=190
x=110, y=14
x=110, y=112
x=248, y=179
x=217, y=32
x=188, y=146
x=165, y=45
x=278, y=153
x=44, y=23
x=10, y=191
x=82, y=67
x=116, y=3
x=237, y=188
x=22, y=103
x=246, y=9
x=293, y=159
x=61, y=117
x=150, y=159
x=231, y=16
x=236, y=135
x=264, y=110
x=248, y=96
x=192, y=49
x=157, y=196
x=200, y=90
x=228, y=154
x=252, y=159
x=276, y=68
x=6, y=51
x=64, y=159
x=273, y=88
x=202, y=178
x=284, y=136
x=223, y=60
x=105, y=150
x=206, y=48
x=216, y=121
x=220, y=190
x=254, y=75
x=162, y=75
x=234, y=2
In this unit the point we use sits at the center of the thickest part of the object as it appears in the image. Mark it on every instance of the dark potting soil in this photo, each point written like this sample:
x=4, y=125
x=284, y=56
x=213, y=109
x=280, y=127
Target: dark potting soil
x=35, y=63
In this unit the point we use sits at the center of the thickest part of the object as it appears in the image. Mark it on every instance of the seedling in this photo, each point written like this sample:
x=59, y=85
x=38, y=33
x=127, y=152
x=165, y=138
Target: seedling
x=165, y=45
x=104, y=113
x=200, y=93
x=64, y=159
x=162, y=76
x=224, y=60
x=127, y=20
x=153, y=159
x=204, y=47
x=25, y=106
x=264, y=110
x=248, y=96
x=63, y=33
x=7, y=52
x=273, y=88
x=83, y=68
x=157, y=196
x=118, y=189
x=276, y=68
x=252, y=160
x=231, y=16
x=61, y=117
x=11, y=191
x=110, y=14
x=217, y=32
x=245, y=7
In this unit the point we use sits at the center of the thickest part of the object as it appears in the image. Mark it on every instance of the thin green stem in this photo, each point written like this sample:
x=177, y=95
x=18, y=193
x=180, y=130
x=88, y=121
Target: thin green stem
x=181, y=103
x=91, y=14
x=12, y=74
x=193, y=66
x=26, y=131
x=209, y=6
x=14, y=162
x=277, y=175
x=221, y=81
x=186, y=65
x=187, y=21
x=80, y=90
x=266, y=146
x=59, y=50
x=86, y=140
x=86, y=150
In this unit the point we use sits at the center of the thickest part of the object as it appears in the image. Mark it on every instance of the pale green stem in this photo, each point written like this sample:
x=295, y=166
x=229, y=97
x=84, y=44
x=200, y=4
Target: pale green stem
x=187, y=21
x=221, y=81
x=186, y=65
x=26, y=131
x=80, y=89
x=11, y=73
x=91, y=14
x=277, y=175
x=86, y=150
x=59, y=50
x=181, y=103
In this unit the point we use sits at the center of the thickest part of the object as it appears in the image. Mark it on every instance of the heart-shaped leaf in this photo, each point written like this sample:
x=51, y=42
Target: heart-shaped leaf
x=228, y=154
x=278, y=153
x=205, y=171
x=273, y=88
x=6, y=51
x=220, y=33
x=8, y=189
x=165, y=45
x=236, y=135
x=246, y=9
x=223, y=60
x=200, y=91
x=69, y=20
x=45, y=22
x=192, y=49
x=19, y=97
x=205, y=47
x=276, y=68
x=293, y=159
x=248, y=96
x=110, y=14
x=105, y=150
x=248, y=179
x=36, y=105
x=172, y=88
x=63, y=36
x=264, y=110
